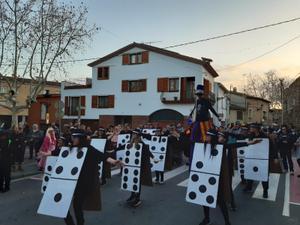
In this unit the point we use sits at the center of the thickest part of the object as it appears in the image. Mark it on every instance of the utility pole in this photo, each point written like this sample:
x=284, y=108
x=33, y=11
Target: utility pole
x=281, y=97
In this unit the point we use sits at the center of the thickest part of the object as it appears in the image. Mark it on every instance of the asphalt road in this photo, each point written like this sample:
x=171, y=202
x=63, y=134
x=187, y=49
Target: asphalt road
x=162, y=205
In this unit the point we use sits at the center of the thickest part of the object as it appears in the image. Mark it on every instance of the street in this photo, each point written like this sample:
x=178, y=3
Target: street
x=162, y=204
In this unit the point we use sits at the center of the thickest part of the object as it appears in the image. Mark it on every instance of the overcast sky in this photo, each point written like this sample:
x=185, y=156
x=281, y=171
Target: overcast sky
x=168, y=22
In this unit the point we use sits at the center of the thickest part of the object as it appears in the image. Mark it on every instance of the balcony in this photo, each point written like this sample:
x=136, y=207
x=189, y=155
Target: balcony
x=174, y=98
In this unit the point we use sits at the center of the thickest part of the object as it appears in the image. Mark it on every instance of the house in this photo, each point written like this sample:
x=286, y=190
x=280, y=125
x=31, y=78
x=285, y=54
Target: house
x=21, y=97
x=222, y=103
x=248, y=109
x=45, y=110
x=136, y=84
x=291, y=104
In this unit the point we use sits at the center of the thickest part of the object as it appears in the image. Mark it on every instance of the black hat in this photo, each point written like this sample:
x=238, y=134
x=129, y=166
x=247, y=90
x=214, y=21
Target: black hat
x=78, y=133
x=137, y=131
x=101, y=129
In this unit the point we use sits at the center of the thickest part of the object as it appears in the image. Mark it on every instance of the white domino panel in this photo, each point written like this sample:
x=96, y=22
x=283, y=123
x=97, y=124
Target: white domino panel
x=257, y=169
x=99, y=144
x=241, y=153
x=131, y=179
x=123, y=139
x=59, y=193
x=203, y=182
x=149, y=131
x=158, y=163
x=57, y=198
x=202, y=189
x=132, y=157
x=206, y=160
x=120, y=154
x=132, y=171
x=50, y=164
x=258, y=151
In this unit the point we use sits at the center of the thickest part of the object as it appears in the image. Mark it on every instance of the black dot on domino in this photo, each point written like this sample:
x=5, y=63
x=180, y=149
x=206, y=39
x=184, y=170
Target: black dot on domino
x=161, y=157
x=124, y=186
x=255, y=168
x=163, y=140
x=153, y=148
x=59, y=170
x=125, y=178
x=155, y=139
x=210, y=199
x=162, y=149
x=46, y=178
x=127, y=160
x=65, y=153
x=192, y=195
x=137, y=154
x=44, y=188
x=126, y=171
x=199, y=165
x=242, y=171
x=242, y=166
x=127, y=136
x=202, y=188
x=242, y=152
x=137, y=162
x=242, y=160
x=123, y=141
x=79, y=154
x=214, y=152
x=212, y=181
x=137, y=147
x=49, y=168
x=127, y=153
x=57, y=197
x=151, y=165
x=135, y=180
x=195, y=177
x=74, y=171
x=136, y=172
x=135, y=187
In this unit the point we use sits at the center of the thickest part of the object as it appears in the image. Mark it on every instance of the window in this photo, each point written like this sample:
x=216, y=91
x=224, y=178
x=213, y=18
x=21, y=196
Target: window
x=137, y=85
x=44, y=111
x=239, y=115
x=173, y=84
x=250, y=113
x=74, y=105
x=103, y=102
x=136, y=58
x=103, y=73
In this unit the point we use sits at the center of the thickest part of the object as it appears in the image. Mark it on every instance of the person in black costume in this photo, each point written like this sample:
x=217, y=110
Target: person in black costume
x=87, y=191
x=5, y=161
x=224, y=194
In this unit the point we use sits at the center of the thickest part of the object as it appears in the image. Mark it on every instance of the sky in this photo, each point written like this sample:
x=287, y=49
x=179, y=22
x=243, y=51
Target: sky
x=168, y=22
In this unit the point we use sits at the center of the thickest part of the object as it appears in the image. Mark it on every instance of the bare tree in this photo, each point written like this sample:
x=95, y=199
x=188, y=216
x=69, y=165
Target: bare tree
x=267, y=86
x=36, y=36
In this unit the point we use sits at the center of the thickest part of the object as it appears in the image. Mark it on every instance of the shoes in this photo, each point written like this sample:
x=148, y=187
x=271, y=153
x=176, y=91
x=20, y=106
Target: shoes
x=265, y=195
x=103, y=182
x=156, y=181
x=205, y=222
x=161, y=182
x=136, y=203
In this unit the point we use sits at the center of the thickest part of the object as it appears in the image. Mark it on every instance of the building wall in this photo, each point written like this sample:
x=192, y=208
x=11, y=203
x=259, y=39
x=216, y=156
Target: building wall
x=141, y=103
x=222, y=103
x=257, y=111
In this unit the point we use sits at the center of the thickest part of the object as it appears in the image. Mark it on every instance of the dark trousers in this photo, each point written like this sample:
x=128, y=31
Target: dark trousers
x=4, y=176
x=32, y=150
x=286, y=155
x=232, y=200
x=223, y=207
x=265, y=185
x=158, y=175
x=78, y=211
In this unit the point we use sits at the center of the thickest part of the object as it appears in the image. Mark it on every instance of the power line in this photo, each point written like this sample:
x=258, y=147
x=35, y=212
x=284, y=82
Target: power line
x=264, y=54
x=234, y=33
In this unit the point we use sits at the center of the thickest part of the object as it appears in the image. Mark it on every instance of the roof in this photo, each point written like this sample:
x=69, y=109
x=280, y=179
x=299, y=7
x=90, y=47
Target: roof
x=222, y=86
x=250, y=96
x=79, y=86
x=205, y=62
x=27, y=80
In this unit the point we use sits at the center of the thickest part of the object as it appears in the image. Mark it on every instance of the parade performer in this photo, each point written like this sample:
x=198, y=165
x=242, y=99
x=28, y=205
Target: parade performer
x=5, y=161
x=224, y=193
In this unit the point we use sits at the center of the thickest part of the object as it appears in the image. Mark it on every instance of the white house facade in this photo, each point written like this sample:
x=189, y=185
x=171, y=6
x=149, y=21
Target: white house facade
x=137, y=84
x=222, y=102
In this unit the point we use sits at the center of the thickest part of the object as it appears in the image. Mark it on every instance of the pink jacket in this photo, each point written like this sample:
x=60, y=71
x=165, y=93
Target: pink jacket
x=48, y=145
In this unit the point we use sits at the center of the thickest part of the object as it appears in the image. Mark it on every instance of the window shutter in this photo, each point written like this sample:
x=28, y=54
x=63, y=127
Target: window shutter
x=82, y=104
x=145, y=57
x=94, y=101
x=125, y=85
x=183, y=89
x=67, y=106
x=125, y=60
x=111, y=101
x=144, y=85
x=206, y=88
x=162, y=84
